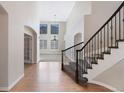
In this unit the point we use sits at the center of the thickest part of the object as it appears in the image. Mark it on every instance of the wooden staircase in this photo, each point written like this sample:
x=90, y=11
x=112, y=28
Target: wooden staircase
x=100, y=44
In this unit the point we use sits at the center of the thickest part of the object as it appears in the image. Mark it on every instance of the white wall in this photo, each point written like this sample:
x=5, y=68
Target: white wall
x=3, y=49
x=101, y=11
x=19, y=14
x=75, y=22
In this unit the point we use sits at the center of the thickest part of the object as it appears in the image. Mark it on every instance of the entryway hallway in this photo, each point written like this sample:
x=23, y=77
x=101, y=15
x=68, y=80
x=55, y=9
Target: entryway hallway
x=48, y=77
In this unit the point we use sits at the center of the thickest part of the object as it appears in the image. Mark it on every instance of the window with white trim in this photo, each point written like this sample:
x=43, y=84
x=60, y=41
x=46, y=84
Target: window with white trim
x=54, y=44
x=54, y=28
x=43, y=28
x=43, y=44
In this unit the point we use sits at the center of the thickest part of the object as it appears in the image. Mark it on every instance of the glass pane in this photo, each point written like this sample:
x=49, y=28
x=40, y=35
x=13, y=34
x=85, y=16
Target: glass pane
x=54, y=44
x=54, y=28
x=43, y=28
x=43, y=44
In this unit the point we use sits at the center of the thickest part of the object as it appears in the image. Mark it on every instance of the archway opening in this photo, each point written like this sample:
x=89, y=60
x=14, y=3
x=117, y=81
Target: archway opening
x=78, y=39
x=30, y=45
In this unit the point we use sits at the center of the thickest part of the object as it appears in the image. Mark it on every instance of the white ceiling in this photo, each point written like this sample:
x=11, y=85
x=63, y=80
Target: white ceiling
x=61, y=9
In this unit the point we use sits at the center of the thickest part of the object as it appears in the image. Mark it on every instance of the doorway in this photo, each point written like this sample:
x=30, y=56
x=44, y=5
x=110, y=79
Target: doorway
x=27, y=48
x=30, y=45
x=77, y=39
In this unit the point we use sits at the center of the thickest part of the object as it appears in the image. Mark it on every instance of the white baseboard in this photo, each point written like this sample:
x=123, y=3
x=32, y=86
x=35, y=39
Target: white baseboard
x=15, y=82
x=12, y=85
x=3, y=89
x=105, y=85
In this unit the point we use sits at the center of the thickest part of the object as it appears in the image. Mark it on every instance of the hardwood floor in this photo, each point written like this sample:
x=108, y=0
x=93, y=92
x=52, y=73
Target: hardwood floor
x=47, y=76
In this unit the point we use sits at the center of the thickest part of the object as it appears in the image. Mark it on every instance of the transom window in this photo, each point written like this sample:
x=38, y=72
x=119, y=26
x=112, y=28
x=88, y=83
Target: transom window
x=43, y=28
x=54, y=28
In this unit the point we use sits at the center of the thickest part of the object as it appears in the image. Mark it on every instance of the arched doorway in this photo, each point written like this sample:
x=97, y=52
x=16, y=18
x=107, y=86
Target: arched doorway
x=77, y=39
x=30, y=45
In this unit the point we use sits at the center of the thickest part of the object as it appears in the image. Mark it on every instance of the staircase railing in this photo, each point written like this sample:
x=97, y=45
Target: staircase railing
x=69, y=57
x=100, y=43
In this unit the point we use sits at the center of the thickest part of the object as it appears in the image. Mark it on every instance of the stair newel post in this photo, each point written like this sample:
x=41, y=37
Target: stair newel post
x=76, y=72
x=62, y=64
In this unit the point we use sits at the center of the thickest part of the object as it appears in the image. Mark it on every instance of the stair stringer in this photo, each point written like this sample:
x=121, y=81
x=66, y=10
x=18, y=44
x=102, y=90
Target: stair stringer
x=108, y=61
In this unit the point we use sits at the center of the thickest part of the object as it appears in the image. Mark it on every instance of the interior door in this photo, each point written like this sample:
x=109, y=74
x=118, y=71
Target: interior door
x=27, y=48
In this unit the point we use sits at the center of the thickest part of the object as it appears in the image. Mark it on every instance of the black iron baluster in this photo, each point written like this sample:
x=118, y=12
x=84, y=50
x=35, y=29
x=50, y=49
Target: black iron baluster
x=92, y=51
x=89, y=51
x=87, y=55
x=119, y=25
x=115, y=32
x=123, y=23
x=108, y=34
x=111, y=34
x=86, y=51
x=62, y=65
x=101, y=41
x=98, y=42
x=84, y=61
x=76, y=72
x=80, y=64
x=95, y=46
x=104, y=39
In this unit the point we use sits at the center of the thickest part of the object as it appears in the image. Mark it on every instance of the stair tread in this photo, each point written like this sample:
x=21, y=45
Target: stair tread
x=106, y=52
x=100, y=58
x=89, y=67
x=83, y=80
x=85, y=72
x=113, y=46
x=120, y=40
x=94, y=63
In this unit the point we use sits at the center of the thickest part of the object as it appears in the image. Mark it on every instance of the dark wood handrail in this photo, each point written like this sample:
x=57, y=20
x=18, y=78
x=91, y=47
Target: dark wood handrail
x=73, y=46
x=103, y=25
